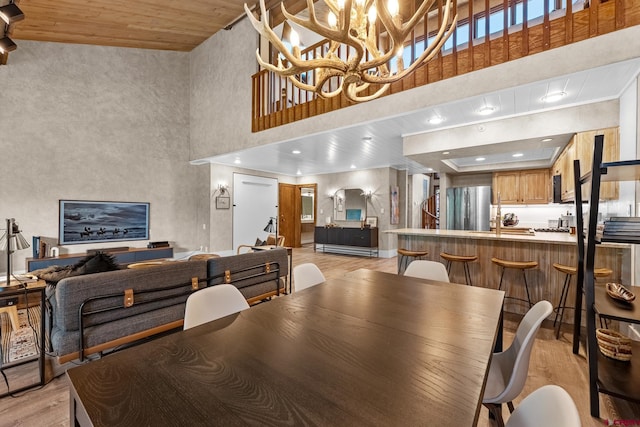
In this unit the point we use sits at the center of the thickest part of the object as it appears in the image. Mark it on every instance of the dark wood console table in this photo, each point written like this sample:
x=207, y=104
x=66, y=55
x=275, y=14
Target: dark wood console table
x=350, y=240
x=122, y=257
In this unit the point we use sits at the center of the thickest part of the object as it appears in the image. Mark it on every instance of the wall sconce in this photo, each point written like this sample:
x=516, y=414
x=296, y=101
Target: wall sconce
x=7, y=45
x=367, y=194
x=223, y=189
x=11, y=13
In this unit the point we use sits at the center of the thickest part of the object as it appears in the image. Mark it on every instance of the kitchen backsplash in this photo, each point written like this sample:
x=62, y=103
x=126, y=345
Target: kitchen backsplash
x=535, y=216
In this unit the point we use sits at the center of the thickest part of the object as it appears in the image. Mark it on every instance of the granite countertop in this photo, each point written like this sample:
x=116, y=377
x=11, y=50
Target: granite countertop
x=534, y=237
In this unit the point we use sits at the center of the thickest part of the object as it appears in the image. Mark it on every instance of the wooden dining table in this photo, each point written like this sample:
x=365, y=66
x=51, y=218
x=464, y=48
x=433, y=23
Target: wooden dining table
x=369, y=348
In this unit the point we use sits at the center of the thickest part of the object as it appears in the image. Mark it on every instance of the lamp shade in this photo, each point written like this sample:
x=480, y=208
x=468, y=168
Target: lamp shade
x=270, y=228
x=11, y=13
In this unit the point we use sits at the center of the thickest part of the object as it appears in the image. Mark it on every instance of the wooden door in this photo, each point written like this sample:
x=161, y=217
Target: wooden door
x=289, y=213
x=610, y=153
x=535, y=186
x=506, y=183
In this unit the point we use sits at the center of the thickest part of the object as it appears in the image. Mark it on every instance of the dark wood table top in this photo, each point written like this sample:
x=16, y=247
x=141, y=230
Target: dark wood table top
x=371, y=348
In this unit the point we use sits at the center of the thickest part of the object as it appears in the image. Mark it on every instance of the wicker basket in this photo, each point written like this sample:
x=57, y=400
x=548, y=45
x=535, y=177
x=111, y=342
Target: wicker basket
x=613, y=344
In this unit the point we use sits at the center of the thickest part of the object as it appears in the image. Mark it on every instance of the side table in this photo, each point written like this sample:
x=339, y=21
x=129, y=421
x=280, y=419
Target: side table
x=25, y=293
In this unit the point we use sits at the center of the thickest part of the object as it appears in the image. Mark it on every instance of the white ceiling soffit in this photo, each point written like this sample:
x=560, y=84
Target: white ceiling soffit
x=380, y=144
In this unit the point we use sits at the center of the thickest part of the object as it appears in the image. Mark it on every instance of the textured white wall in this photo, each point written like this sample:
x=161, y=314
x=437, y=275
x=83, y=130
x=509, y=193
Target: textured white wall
x=99, y=123
x=220, y=88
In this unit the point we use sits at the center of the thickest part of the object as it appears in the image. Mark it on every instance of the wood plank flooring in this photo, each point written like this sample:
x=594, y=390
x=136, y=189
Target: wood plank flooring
x=552, y=362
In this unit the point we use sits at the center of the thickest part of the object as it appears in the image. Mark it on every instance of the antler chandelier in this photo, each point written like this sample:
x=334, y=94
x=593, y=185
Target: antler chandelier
x=353, y=24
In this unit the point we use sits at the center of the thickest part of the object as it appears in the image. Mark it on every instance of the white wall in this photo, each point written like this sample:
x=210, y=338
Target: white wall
x=99, y=123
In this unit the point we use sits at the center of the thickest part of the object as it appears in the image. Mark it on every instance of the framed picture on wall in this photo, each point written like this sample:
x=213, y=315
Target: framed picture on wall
x=223, y=202
x=371, y=221
x=395, y=205
x=85, y=221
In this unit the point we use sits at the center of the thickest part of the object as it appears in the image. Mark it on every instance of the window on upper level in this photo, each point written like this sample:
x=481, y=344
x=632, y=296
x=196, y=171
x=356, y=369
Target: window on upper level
x=535, y=9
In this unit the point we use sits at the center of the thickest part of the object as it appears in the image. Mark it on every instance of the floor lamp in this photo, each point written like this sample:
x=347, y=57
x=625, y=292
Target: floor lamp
x=270, y=228
x=12, y=241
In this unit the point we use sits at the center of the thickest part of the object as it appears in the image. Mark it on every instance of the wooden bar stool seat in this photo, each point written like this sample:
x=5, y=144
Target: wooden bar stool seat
x=405, y=254
x=518, y=265
x=569, y=272
x=464, y=259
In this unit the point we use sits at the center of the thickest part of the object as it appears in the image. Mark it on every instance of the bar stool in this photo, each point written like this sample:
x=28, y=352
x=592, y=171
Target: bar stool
x=464, y=259
x=519, y=265
x=569, y=272
x=405, y=254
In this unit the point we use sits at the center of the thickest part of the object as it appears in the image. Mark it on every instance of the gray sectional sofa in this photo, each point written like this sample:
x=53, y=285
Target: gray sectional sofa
x=97, y=312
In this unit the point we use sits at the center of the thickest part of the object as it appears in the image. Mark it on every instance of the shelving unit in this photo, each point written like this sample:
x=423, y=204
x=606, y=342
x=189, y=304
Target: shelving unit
x=609, y=376
x=25, y=295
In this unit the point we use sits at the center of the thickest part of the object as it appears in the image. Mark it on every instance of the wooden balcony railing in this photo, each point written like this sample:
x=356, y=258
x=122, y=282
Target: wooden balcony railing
x=494, y=41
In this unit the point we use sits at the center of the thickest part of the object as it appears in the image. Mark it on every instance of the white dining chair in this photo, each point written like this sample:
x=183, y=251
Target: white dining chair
x=424, y=269
x=213, y=303
x=306, y=275
x=508, y=370
x=548, y=406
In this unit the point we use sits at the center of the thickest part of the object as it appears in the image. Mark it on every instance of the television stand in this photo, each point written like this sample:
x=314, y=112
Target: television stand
x=122, y=256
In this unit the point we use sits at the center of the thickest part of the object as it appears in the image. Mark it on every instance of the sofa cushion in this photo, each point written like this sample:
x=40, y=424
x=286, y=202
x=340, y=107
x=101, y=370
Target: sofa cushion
x=71, y=292
x=248, y=271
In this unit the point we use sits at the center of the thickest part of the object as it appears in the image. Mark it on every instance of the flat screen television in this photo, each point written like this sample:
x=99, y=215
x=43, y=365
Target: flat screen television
x=98, y=222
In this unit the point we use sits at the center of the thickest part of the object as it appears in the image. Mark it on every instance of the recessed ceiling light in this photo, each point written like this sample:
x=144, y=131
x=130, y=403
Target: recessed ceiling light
x=296, y=151
x=479, y=159
x=486, y=110
x=553, y=97
x=517, y=155
x=547, y=139
x=436, y=120
x=429, y=169
x=298, y=172
x=237, y=161
x=353, y=166
x=445, y=153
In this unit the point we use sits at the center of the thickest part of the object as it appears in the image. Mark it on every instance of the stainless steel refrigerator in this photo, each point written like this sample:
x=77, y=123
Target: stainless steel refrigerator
x=468, y=208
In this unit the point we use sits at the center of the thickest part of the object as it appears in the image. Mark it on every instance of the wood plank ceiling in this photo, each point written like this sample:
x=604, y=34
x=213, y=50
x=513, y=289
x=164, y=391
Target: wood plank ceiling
x=146, y=24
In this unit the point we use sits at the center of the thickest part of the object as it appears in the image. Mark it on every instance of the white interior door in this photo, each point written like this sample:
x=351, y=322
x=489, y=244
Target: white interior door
x=255, y=200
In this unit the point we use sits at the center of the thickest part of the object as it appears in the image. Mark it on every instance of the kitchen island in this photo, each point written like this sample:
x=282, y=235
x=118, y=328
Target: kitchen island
x=546, y=248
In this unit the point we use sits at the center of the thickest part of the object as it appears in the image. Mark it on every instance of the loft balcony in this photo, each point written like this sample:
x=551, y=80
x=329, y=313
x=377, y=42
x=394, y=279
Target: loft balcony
x=528, y=27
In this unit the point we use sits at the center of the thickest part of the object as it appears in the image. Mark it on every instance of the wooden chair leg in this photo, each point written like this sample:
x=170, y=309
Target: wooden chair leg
x=511, y=408
x=495, y=412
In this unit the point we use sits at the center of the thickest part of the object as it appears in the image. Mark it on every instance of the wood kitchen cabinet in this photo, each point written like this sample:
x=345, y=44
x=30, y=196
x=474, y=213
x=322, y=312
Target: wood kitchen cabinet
x=524, y=187
x=564, y=167
x=581, y=148
x=610, y=153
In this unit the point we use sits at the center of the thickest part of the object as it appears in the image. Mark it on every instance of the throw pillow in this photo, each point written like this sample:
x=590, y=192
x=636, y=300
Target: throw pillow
x=98, y=263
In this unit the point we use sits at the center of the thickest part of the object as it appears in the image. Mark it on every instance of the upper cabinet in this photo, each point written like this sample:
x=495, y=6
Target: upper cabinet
x=610, y=153
x=524, y=187
x=564, y=167
x=581, y=148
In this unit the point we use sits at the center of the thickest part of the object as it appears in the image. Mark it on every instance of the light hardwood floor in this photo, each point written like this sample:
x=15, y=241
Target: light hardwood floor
x=552, y=362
